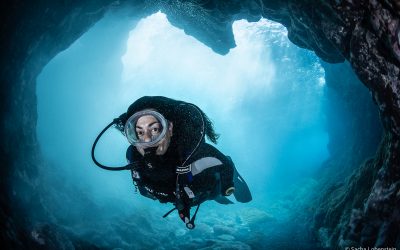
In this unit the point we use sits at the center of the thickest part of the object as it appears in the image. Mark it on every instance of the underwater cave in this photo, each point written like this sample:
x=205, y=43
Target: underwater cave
x=317, y=86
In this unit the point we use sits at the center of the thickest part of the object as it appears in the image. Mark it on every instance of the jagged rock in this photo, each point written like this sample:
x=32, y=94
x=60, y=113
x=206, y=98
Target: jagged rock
x=365, y=33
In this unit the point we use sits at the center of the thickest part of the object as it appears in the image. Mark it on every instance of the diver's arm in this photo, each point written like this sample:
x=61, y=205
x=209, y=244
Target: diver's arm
x=211, y=177
x=227, y=170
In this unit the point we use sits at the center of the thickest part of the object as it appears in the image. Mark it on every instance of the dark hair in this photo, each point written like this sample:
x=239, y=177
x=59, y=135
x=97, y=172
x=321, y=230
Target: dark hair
x=185, y=117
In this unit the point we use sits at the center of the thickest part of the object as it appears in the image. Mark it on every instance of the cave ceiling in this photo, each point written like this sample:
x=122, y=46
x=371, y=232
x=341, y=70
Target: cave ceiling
x=365, y=33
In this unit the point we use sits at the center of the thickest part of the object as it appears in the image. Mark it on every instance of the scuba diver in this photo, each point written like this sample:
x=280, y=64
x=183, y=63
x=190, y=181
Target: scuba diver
x=170, y=160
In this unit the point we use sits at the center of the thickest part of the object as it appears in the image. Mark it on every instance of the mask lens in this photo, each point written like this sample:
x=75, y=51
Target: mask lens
x=145, y=128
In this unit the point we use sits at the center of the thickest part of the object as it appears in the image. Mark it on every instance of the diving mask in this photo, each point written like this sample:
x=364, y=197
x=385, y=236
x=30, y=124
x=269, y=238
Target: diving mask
x=146, y=128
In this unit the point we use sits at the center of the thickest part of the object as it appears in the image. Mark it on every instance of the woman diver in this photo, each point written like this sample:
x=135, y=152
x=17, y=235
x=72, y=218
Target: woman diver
x=169, y=158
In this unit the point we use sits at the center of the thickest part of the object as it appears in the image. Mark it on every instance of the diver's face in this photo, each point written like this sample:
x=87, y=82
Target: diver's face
x=148, y=128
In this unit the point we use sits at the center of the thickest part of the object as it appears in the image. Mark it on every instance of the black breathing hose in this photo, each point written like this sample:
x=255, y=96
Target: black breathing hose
x=133, y=165
x=127, y=167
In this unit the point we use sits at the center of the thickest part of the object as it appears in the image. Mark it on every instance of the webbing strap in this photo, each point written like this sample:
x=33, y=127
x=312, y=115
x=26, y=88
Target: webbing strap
x=169, y=212
x=191, y=224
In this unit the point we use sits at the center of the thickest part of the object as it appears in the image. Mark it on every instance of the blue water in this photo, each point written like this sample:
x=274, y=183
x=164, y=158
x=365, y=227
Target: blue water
x=265, y=98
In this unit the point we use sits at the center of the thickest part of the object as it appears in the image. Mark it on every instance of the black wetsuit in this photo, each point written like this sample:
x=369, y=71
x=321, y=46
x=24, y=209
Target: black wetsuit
x=211, y=174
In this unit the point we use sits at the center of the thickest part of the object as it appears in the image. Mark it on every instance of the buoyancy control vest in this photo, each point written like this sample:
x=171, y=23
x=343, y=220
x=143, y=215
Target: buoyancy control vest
x=207, y=175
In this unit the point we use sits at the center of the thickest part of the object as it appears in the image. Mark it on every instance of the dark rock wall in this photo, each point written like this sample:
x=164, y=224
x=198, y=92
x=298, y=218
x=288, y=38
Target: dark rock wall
x=32, y=33
x=373, y=191
x=352, y=121
x=365, y=33
x=355, y=133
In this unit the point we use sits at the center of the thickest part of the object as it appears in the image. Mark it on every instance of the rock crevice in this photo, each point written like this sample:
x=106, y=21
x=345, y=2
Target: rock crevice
x=365, y=33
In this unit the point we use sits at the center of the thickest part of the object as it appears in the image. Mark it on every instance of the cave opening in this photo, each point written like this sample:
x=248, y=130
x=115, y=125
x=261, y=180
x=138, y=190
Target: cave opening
x=265, y=83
